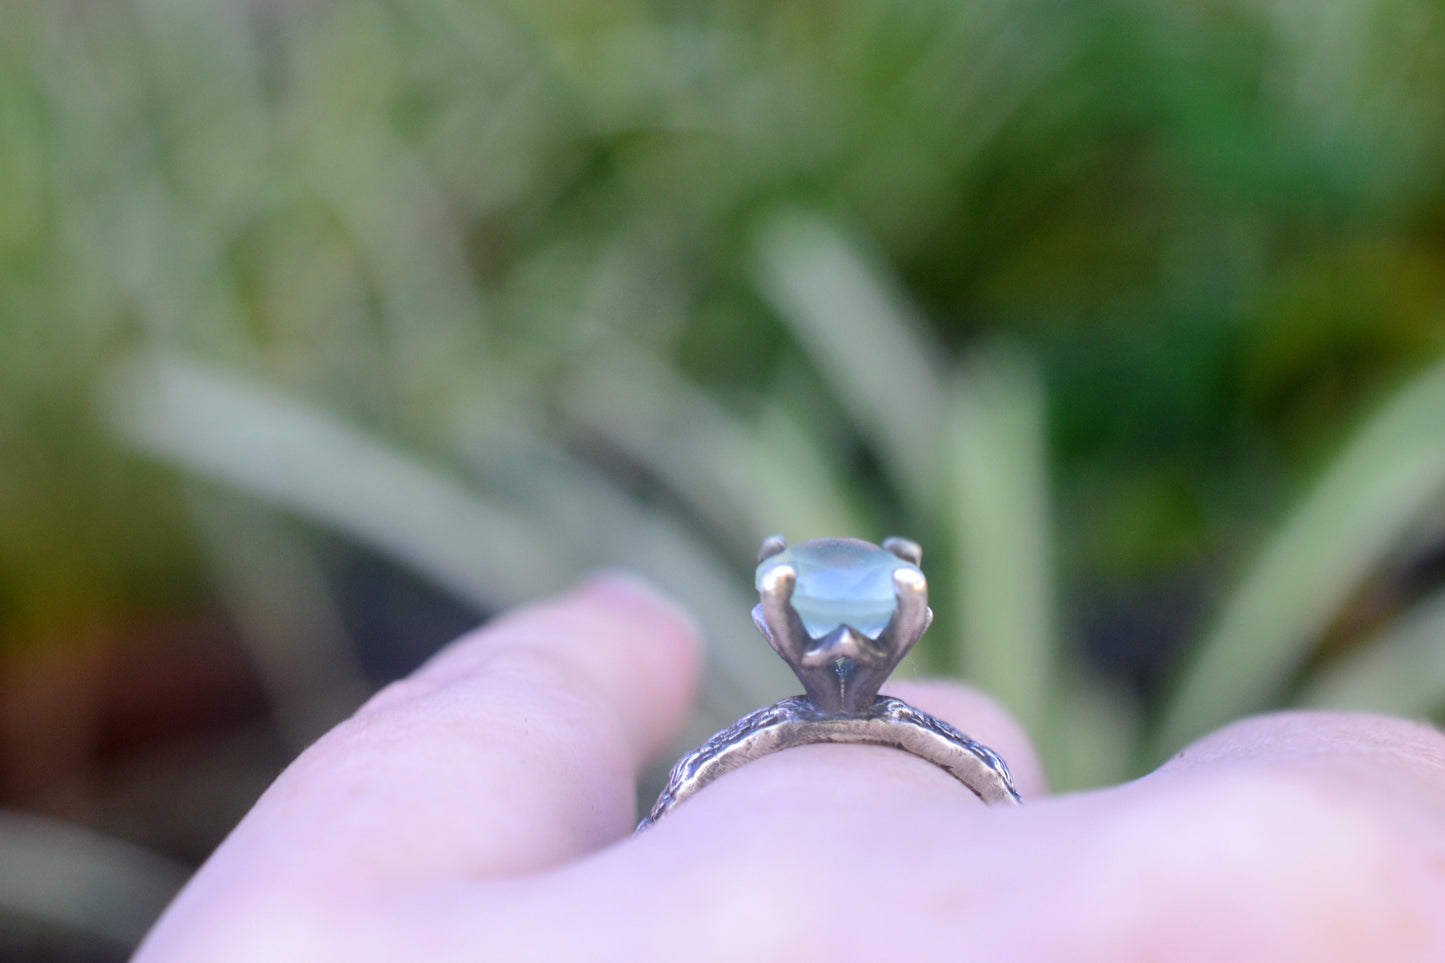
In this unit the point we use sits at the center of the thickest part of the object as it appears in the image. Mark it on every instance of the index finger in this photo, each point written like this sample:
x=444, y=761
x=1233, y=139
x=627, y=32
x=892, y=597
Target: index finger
x=515, y=749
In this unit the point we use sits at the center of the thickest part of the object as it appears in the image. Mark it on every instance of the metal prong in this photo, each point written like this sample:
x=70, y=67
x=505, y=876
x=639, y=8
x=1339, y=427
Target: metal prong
x=761, y=621
x=771, y=546
x=897, y=639
x=910, y=551
x=913, y=615
x=845, y=643
x=786, y=633
x=784, y=630
x=778, y=583
x=910, y=582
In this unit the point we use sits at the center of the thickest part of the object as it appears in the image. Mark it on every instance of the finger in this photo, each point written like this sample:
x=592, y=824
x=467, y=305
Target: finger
x=1309, y=836
x=514, y=749
x=826, y=851
x=1295, y=835
x=1385, y=753
x=1270, y=840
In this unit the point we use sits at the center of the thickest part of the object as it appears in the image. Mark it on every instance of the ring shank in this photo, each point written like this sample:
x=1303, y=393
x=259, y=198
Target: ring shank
x=794, y=722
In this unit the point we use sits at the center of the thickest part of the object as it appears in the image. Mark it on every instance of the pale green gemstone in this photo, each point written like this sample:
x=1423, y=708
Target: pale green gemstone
x=841, y=581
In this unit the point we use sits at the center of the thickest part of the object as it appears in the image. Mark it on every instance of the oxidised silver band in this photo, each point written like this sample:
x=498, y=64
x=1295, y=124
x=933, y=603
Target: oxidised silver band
x=796, y=722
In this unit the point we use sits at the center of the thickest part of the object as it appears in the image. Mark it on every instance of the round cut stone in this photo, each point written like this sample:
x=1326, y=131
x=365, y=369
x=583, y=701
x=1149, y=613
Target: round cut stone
x=841, y=581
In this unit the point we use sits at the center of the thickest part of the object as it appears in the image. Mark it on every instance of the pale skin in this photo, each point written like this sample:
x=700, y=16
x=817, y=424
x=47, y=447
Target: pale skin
x=482, y=810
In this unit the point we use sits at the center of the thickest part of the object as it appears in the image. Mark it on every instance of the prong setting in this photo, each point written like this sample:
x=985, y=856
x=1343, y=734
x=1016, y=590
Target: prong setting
x=771, y=546
x=906, y=549
x=843, y=667
x=780, y=580
x=845, y=643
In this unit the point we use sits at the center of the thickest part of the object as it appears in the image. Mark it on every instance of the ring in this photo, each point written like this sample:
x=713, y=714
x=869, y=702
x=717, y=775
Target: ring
x=842, y=613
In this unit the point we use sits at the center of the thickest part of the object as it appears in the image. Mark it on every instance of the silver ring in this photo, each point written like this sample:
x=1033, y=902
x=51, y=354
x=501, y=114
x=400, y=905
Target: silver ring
x=842, y=613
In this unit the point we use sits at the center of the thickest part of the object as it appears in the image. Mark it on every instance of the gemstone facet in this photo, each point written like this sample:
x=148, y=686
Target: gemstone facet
x=841, y=581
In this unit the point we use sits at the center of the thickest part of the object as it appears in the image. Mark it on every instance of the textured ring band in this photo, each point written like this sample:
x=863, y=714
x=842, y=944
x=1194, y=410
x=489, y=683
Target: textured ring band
x=842, y=613
x=795, y=722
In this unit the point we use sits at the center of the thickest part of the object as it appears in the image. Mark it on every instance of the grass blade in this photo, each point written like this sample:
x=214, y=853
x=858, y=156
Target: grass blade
x=725, y=470
x=865, y=340
x=81, y=883
x=492, y=554
x=270, y=579
x=272, y=447
x=997, y=507
x=601, y=523
x=1366, y=502
x=1401, y=671
x=1092, y=727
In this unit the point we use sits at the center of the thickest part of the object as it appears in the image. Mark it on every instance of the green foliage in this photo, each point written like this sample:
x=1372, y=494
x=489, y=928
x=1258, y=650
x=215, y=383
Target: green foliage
x=1068, y=291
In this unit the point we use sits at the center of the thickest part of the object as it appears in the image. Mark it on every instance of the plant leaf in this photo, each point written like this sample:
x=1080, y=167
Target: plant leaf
x=271, y=580
x=746, y=480
x=298, y=458
x=80, y=882
x=865, y=339
x=1364, y=504
x=1401, y=671
x=487, y=552
x=997, y=509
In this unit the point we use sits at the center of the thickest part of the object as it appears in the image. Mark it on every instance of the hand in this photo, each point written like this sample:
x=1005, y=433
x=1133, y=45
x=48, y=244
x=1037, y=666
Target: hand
x=481, y=810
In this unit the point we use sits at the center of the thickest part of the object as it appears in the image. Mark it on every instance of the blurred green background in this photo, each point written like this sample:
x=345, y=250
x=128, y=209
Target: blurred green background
x=329, y=327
